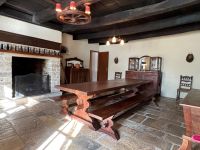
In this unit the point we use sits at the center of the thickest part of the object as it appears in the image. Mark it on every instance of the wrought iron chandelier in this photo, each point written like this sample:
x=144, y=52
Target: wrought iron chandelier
x=73, y=13
x=115, y=40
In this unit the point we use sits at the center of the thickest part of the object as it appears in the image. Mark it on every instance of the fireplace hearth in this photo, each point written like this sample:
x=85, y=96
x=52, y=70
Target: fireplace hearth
x=31, y=84
x=29, y=77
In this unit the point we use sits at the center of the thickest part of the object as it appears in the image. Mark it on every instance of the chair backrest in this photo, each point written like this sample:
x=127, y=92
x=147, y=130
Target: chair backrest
x=118, y=75
x=186, y=82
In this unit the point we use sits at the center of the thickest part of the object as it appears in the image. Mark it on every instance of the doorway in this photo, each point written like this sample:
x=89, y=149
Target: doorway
x=99, y=65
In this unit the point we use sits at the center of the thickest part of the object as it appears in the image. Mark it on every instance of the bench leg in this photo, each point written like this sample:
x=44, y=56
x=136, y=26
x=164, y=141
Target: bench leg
x=107, y=127
x=64, y=107
x=178, y=95
x=186, y=144
x=82, y=106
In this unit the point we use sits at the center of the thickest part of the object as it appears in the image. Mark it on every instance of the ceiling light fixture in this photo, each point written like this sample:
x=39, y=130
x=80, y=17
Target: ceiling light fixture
x=58, y=7
x=73, y=13
x=122, y=42
x=115, y=40
x=107, y=43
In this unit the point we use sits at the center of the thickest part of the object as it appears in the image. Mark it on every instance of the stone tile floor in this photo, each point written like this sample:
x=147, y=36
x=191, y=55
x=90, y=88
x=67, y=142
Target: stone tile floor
x=36, y=124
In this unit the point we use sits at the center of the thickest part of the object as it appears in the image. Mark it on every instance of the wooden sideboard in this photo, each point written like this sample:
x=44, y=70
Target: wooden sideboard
x=155, y=76
x=77, y=75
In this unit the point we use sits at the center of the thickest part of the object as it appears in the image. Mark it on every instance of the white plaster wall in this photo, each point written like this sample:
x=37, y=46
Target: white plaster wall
x=78, y=48
x=94, y=66
x=28, y=29
x=173, y=49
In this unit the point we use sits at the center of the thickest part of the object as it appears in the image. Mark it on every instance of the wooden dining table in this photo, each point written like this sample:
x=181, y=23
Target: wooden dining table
x=89, y=90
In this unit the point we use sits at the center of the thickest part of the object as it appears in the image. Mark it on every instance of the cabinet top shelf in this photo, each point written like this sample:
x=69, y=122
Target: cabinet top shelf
x=145, y=63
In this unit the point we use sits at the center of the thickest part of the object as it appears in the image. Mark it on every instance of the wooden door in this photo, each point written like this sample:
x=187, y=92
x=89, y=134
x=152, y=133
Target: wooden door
x=103, y=66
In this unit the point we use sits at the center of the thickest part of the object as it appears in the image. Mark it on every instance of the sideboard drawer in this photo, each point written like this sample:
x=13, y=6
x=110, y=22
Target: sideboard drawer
x=154, y=76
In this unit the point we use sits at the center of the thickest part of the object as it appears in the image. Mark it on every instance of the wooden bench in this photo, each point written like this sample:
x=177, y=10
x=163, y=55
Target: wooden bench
x=108, y=99
x=127, y=102
x=102, y=117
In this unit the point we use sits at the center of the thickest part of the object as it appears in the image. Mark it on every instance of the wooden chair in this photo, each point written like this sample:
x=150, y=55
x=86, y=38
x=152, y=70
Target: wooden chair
x=118, y=75
x=185, y=85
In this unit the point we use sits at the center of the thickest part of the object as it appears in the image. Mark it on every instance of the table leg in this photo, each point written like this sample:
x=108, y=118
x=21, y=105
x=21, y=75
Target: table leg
x=107, y=127
x=64, y=107
x=186, y=145
x=188, y=124
x=188, y=120
x=82, y=106
x=81, y=114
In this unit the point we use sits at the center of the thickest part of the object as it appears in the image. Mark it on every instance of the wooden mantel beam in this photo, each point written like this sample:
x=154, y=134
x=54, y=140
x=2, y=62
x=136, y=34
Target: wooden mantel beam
x=146, y=27
x=134, y=14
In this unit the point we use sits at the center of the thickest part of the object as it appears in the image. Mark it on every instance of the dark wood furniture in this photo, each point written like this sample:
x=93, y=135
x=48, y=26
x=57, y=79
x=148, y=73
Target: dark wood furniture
x=155, y=76
x=30, y=41
x=118, y=75
x=75, y=71
x=27, y=40
x=191, y=110
x=87, y=93
x=77, y=75
x=70, y=62
x=185, y=85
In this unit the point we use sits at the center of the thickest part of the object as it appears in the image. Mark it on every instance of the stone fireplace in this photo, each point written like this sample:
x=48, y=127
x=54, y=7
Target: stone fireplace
x=15, y=68
x=29, y=77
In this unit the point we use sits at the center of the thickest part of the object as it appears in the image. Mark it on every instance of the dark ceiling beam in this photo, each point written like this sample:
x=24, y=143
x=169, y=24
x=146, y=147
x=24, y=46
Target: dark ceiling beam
x=163, y=32
x=10, y=12
x=146, y=27
x=49, y=13
x=51, y=1
x=134, y=14
x=2, y=2
x=44, y=15
x=12, y=4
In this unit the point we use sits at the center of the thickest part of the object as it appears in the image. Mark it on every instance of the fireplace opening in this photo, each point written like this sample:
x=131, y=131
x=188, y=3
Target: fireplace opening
x=29, y=77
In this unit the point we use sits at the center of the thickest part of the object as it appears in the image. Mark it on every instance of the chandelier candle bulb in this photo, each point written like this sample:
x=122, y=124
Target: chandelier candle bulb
x=122, y=42
x=114, y=39
x=87, y=9
x=72, y=5
x=74, y=13
x=58, y=7
x=108, y=43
